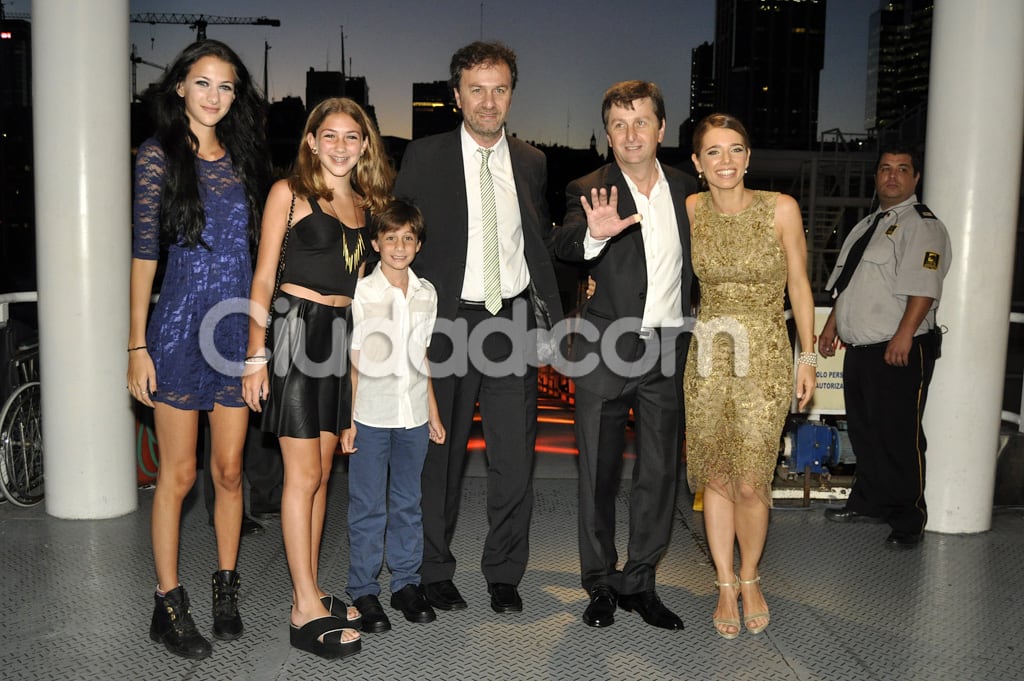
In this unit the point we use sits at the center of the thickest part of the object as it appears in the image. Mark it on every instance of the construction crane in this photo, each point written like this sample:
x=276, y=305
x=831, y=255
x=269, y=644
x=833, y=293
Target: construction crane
x=25, y=16
x=199, y=21
x=136, y=60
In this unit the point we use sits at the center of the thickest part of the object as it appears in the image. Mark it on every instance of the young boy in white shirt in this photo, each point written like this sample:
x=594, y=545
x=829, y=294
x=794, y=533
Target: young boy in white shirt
x=393, y=416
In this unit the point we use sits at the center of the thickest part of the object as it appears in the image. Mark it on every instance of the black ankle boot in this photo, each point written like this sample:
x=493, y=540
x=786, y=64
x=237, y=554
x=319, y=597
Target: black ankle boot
x=227, y=624
x=173, y=626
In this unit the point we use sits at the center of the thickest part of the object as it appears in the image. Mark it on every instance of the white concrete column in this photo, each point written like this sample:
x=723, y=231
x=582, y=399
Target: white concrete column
x=972, y=182
x=83, y=239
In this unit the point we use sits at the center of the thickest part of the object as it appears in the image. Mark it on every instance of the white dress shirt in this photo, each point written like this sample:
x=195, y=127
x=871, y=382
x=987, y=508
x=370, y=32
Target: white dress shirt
x=391, y=331
x=663, y=253
x=908, y=255
x=515, y=276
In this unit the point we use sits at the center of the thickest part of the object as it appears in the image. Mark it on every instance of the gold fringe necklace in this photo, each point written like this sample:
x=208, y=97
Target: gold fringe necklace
x=354, y=257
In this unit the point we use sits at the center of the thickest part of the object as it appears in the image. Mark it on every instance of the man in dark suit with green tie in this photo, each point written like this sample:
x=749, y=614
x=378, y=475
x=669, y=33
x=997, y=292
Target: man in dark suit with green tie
x=482, y=194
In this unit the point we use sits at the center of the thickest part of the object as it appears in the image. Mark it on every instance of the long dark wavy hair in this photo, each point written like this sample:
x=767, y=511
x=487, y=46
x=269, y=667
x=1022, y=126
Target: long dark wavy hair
x=242, y=132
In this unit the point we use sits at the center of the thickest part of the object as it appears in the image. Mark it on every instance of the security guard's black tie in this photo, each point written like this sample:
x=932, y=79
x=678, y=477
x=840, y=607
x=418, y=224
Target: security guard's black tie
x=853, y=258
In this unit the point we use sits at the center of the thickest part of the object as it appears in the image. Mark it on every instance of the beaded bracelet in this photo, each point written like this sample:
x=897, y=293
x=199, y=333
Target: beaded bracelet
x=808, y=358
x=257, y=359
x=137, y=347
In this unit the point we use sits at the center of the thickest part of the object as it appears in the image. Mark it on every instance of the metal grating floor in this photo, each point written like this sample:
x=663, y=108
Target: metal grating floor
x=76, y=599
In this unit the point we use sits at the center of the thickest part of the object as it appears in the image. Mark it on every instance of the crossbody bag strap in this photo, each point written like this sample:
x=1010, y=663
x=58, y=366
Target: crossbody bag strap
x=280, y=270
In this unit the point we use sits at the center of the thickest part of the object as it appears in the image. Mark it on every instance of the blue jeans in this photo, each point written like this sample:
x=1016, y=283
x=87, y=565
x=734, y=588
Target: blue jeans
x=373, y=508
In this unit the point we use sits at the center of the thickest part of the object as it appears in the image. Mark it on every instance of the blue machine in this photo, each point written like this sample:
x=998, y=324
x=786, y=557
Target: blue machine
x=815, y=446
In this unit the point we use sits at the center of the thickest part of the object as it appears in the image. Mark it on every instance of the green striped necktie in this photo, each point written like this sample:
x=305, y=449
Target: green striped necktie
x=492, y=260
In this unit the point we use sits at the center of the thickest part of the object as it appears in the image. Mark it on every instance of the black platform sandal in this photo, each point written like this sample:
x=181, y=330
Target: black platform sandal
x=339, y=609
x=308, y=638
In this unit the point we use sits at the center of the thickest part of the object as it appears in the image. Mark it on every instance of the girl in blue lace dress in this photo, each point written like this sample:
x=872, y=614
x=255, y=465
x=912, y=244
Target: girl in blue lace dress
x=199, y=185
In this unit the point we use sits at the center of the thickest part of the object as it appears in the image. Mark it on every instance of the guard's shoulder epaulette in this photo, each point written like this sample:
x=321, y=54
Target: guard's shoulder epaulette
x=924, y=211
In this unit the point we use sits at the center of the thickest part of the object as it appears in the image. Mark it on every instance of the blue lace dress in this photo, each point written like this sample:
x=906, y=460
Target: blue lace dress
x=199, y=328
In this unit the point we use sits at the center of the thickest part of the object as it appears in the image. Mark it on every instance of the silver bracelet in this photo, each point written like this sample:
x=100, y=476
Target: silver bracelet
x=256, y=360
x=808, y=358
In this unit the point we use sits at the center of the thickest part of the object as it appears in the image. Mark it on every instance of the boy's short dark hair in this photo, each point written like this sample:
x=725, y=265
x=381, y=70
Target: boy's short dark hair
x=397, y=214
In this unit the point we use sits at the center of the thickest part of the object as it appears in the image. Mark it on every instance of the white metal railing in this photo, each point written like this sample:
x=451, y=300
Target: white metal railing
x=1016, y=318
x=7, y=299
x=1008, y=416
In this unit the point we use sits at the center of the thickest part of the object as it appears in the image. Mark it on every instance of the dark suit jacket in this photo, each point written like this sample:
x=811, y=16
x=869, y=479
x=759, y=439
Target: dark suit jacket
x=433, y=177
x=620, y=271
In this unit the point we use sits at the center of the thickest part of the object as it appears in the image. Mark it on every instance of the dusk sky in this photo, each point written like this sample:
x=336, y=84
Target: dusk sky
x=569, y=52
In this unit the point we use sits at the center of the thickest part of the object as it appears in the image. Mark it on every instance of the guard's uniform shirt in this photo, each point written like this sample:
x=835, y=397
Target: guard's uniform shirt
x=908, y=255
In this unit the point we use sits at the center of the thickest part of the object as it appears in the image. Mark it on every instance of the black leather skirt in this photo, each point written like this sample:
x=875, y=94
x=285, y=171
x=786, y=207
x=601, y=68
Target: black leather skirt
x=310, y=390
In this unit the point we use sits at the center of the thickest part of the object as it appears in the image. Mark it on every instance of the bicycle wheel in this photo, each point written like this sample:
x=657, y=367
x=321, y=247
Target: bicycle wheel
x=21, y=446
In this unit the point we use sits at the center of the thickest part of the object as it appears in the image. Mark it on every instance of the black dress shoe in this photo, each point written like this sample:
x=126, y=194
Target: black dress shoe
x=250, y=526
x=649, y=606
x=504, y=598
x=601, y=611
x=845, y=515
x=443, y=595
x=339, y=609
x=374, y=619
x=903, y=541
x=413, y=604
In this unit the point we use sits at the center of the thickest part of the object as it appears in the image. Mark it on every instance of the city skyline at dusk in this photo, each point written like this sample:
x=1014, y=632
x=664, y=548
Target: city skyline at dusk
x=568, y=53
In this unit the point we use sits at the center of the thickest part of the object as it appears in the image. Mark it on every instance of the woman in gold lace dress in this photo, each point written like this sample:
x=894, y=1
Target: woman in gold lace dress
x=747, y=246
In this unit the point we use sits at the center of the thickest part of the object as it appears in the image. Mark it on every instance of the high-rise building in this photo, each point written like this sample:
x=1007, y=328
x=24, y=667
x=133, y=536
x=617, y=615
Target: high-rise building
x=17, y=197
x=702, y=90
x=321, y=85
x=15, y=64
x=899, y=56
x=433, y=109
x=768, y=60
x=285, y=120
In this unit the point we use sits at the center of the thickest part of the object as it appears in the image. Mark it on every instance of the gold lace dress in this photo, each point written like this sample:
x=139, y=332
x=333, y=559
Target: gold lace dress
x=739, y=370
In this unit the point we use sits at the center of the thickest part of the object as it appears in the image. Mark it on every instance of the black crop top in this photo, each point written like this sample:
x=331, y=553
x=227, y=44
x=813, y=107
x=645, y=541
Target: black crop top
x=324, y=255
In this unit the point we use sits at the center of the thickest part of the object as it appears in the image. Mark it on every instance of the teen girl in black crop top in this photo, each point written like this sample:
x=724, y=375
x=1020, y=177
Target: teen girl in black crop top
x=316, y=247
x=300, y=380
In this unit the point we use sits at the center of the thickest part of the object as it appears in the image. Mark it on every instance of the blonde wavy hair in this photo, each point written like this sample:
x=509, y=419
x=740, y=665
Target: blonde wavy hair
x=373, y=177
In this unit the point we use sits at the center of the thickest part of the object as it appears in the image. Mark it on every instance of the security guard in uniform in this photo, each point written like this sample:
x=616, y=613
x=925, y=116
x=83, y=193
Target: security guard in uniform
x=887, y=284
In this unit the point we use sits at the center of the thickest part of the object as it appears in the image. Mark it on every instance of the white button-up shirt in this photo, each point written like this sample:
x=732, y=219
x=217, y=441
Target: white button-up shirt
x=391, y=332
x=515, y=276
x=663, y=253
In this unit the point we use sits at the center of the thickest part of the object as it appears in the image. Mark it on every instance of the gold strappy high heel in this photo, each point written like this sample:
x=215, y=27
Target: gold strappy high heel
x=723, y=621
x=750, y=617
